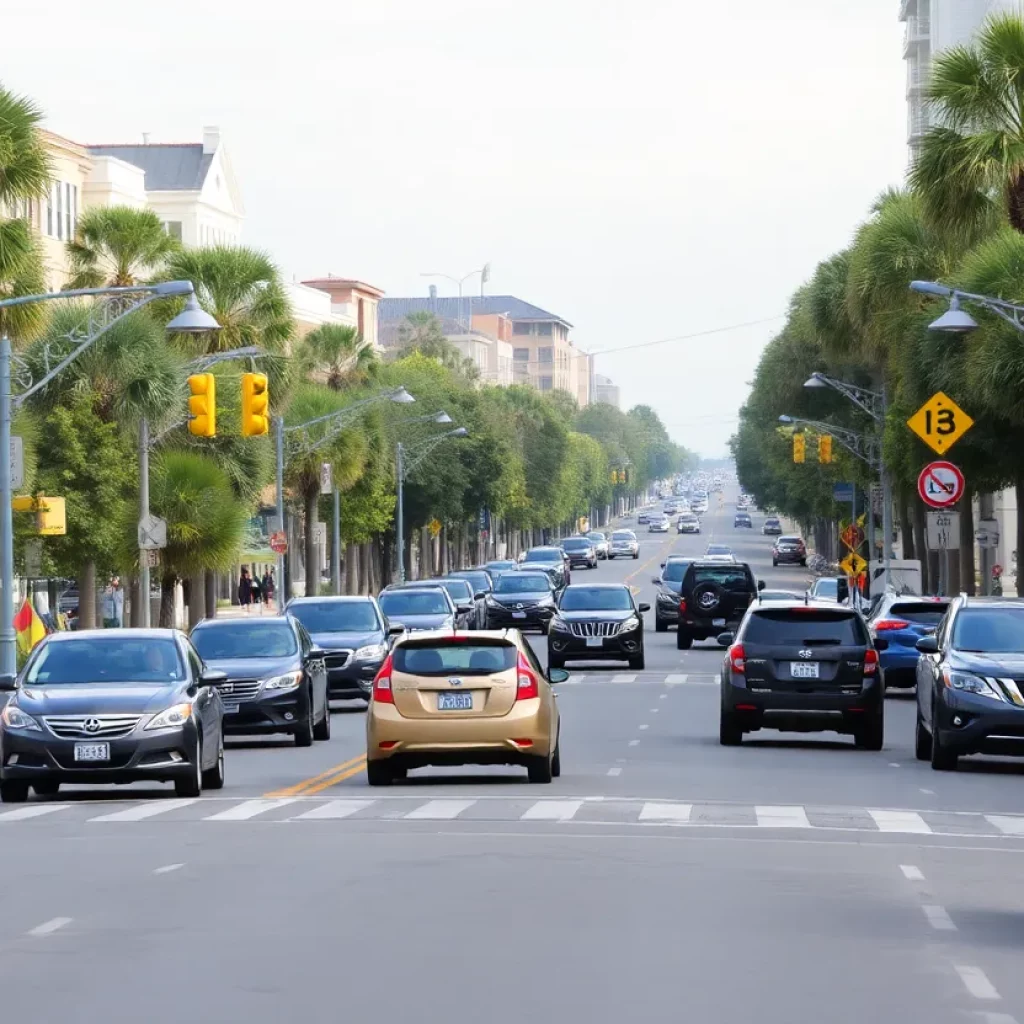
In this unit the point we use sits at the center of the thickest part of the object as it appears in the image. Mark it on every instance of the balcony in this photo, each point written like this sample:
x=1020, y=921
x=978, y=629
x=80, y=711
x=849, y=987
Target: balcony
x=917, y=124
x=917, y=76
x=918, y=31
x=908, y=8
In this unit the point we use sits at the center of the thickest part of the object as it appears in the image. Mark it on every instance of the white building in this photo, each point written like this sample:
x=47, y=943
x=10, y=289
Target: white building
x=607, y=391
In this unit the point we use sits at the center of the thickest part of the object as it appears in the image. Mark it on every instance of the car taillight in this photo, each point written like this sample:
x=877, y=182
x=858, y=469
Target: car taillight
x=737, y=658
x=527, y=685
x=682, y=606
x=870, y=661
x=883, y=624
x=382, y=692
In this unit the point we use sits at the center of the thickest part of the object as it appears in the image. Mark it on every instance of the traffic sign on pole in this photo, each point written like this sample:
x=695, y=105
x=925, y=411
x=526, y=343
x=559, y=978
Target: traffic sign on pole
x=279, y=542
x=940, y=484
x=853, y=564
x=940, y=423
x=852, y=536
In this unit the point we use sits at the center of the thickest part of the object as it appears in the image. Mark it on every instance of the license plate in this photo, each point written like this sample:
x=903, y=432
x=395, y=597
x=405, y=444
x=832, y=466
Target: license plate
x=92, y=751
x=718, y=622
x=455, y=702
x=230, y=708
x=803, y=669
x=519, y=615
x=595, y=641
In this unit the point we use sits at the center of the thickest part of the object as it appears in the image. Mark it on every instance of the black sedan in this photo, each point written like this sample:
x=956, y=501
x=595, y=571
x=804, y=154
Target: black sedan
x=480, y=579
x=354, y=636
x=522, y=599
x=666, y=603
x=496, y=568
x=460, y=591
x=581, y=551
x=276, y=676
x=427, y=607
x=110, y=707
x=597, y=622
x=554, y=557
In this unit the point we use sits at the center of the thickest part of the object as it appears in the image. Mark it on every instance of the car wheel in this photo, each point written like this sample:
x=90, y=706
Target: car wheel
x=803, y=562
x=378, y=773
x=775, y=563
x=871, y=735
x=46, y=788
x=322, y=730
x=684, y=641
x=922, y=742
x=729, y=732
x=214, y=778
x=637, y=663
x=13, y=791
x=943, y=759
x=304, y=733
x=637, y=555
x=192, y=784
x=554, y=661
x=660, y=625
x=539, y=770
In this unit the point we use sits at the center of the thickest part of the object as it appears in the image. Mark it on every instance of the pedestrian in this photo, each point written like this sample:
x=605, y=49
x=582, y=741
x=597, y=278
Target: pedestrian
x=256, y=592
x=267, y=586
x=113, y=604
x=245, y=590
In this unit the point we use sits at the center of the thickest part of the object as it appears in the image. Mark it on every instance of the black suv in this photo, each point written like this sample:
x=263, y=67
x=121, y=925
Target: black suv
x=666, y=602
x=802, y=666
x=714, y=596
x=970, y=682
x=597, y=621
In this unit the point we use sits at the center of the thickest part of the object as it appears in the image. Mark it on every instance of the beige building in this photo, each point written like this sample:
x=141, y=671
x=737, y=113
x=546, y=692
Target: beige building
x=351, y=302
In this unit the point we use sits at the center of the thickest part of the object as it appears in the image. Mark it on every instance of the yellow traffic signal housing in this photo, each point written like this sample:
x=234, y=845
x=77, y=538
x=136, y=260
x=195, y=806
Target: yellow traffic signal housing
x=825, y=448
x=202, y=405
x=255, y=403
x=615, y=477
x=622, y=476
x=799, y=446
x=51, y=517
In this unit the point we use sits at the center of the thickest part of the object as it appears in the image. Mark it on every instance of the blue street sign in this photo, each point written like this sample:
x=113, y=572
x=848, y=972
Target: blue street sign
x=842, y=492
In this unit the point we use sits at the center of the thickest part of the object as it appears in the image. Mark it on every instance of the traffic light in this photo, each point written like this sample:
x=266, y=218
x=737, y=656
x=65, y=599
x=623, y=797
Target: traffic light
x=202, y=405
x=798, y=447
x=825, y=448
x=622, y=476
x=615, y=477
x=255, y=402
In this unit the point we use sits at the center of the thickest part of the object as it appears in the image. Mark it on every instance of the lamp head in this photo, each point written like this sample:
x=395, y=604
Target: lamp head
x=458, y=432
x=442, y=417
x=401, y=397
x=193, y=319
x=815, y=381
x=785, y=419
x=930, y=288
x=955, y=320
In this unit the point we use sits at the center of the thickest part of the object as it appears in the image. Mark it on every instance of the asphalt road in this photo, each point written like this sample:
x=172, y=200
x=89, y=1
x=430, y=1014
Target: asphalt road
x=792, y=879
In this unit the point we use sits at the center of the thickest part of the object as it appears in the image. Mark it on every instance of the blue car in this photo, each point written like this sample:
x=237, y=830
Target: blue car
x=903, y=619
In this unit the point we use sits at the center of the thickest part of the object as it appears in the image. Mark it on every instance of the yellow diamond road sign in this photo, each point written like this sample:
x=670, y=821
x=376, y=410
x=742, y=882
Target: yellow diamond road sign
x=853, y=564
x=940, y=423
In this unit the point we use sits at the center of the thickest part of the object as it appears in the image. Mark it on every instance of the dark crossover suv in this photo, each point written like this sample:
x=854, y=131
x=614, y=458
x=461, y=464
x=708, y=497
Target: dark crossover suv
x=789, y=551
x=970, y=682
x=666, y=602
x=112, y=706
x=522, y=599
x=552, y=557
x=713, y=597
x=802, y=667
x=599, y=621
x=354, y=636
x=276, y=679
x=581, y=551
x=742, y=519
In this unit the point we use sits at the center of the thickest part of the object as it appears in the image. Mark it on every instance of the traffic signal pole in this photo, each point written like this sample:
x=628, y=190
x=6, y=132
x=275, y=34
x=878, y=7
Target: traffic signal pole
x=281, y=594
x=144, y=603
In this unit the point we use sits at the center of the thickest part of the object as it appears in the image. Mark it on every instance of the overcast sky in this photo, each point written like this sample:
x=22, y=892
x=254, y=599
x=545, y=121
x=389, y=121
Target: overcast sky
x=643, y=168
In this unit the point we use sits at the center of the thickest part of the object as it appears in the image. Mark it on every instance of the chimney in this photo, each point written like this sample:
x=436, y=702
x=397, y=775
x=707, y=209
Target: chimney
x=145, y=138
x=211, y=140
x=433, y=292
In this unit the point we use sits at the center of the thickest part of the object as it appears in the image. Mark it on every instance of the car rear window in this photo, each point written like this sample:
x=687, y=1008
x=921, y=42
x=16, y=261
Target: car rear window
x=924, y=613
x=335, y=616
x=788, y=542
x=623, y=535
x=795, y=626
x=577, y=545
x=478, y=658
x=414, y=602
x=728, y=576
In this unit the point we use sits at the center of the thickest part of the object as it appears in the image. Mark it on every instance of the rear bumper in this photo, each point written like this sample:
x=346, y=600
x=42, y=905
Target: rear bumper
x=899, y=666
x=986, y=729
x=801, y=712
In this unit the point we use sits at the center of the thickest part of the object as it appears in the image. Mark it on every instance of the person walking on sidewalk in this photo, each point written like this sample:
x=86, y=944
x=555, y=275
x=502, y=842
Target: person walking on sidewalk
x=113, y=604
x=245, y=590
x=267, y=586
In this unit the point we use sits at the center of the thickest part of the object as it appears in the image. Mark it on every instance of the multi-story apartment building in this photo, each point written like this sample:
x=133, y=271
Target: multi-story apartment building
x=350, y=302
x=607, y=391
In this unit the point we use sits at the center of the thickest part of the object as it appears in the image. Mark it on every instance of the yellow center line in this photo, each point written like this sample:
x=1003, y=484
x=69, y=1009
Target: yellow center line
x=327, y=783
x=304, y=788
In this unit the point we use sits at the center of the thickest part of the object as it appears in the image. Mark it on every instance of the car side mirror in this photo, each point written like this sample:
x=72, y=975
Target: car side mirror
x=213, y=677
x=662, y=564
x=760, y=585
x=644, y=607
x=315, y=653
x=928, y=645
x=656, y=580
x=8, y=683
x=557, y=675
x=726, y=639
x=464, y=606
x=396, y=629
x=479, y=595
x=881, y=644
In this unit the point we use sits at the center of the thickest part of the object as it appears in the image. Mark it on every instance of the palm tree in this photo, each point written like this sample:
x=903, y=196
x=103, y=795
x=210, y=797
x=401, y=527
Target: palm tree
x=117, y=246
x=972, y=160
x=338, y=354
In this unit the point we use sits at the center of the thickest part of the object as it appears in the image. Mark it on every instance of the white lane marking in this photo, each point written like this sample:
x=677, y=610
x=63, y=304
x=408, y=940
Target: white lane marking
x=653, y=811
x=148, y=810
x=663, y=696
x=894, y=764
x=35, y=811
x=624, y=677
x=912, y=873
x=900, y=821
x=781, y=817
x=928, y=792
x=334, y=809
x=1011, y=826
x=676, y=679
x=634, y=743
x=552, y=810
x=976, y=982
x=996, y=1018
x=654, y=711
x=250, y=808
x=49, y=927
x=167, y=869
x=617, y=770
x=938, y=918
x=440, y=810
x=642, y=727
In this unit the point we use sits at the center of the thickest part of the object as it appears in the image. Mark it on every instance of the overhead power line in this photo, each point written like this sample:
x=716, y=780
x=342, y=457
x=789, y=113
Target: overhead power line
x=688, y=337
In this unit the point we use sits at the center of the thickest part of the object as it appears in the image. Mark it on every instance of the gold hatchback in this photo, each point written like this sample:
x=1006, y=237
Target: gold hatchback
x=455, y=698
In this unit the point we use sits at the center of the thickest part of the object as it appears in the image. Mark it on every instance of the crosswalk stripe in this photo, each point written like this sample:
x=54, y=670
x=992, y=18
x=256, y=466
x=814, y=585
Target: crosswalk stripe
x=1011, y=826
x=624, y=677
x=334, y=809
x=142, y=811
x=899, y=821
x=552, y=810
x=440, y=810
x=652, y=811
x=781, y=817
x=250, y=808
x=676, y=678
x=35, y=811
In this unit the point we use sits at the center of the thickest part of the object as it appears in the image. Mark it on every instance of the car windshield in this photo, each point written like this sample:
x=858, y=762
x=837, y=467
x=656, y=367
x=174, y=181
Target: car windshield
x=544, y=555
x=990, y=630
x=115, y=659
x=923, y=613
x=442, y=659
x=624, y=535
x=335, y=616
x=718, y=549
x=785, y=626
x=674, y=571
x=460, y=590
x=244, y=640
x=732, y=577
x=592, y=599
x=522, y=583
x=828, y=589
x=576, y=545
x=414, y=602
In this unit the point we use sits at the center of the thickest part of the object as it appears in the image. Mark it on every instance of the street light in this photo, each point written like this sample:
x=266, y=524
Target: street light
x=485, y=276
x=958, y=321
x=120, y=302
x=423, y=449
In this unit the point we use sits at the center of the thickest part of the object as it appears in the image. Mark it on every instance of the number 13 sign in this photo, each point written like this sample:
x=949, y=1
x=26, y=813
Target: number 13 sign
x=940, y=423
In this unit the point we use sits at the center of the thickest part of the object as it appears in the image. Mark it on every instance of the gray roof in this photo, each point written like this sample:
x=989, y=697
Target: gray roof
x=448, y=307
x=172, y=167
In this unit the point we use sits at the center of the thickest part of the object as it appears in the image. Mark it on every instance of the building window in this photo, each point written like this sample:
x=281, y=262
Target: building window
x=521, y=355
x=68, y=231
x=544, y=330
x=544, y=383
x=544, y=355
x=49, y=212
x=518, y=328
x=60, y=210
x=173, y=228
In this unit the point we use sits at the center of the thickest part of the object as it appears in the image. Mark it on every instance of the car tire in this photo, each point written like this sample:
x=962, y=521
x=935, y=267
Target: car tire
x=304, y=733
x=871, y=735
x=46, y=788
x=556, y=760
x=213, y=778
x=922, y=742
x=322, y=729
x=637, y=555
x=730, y=734
x=13, y=791
x=943, y=759
x=775, y=563
x=554, y=661
x=803, y=562
x=539, y=770
x=398, y=773
x=637, y=663
x=378, y=773
x=684, y=641
x=660, y=625
x=192, y=784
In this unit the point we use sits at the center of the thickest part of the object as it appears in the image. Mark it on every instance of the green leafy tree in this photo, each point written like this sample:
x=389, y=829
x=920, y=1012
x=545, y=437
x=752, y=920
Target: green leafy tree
x=338, y=355
x=117, y=246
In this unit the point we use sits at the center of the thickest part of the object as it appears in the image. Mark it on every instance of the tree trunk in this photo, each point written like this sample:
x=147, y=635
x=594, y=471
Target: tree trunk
x=352, y=569
x=364, y=568
x=967, y=570
x=906, y=526
x=210, y=587
x=195, y=594
x=135, y=596
x=87, y=596
x=310, y=507
x=167, y=583
x=929, y=582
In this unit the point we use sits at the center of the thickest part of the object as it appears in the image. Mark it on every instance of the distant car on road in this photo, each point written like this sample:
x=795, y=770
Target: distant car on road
x=669, y=583
x=496, y=568
x=659, y=524
x=742, y=519
x=688, y=522
x=525, y=600
x=719, y=553
x=428, y=607
x=581, y=551
x=624, y=545
x=789, y=551
x=600, y=543
x=554, y=557
x=772, y=527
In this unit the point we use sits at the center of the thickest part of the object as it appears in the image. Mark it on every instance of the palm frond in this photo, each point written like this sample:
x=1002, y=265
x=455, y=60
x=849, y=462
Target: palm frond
x=24, y=164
